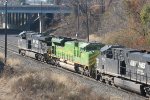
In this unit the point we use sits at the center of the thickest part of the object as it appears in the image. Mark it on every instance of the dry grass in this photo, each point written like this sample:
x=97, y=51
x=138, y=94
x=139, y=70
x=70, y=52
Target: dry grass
x=19, y=83
x=94, y=37
x=13, y=62
x=120, y=37
x=1, y=56
x=45, y=86
x=41, y=85
x=128, y=38
x=115, y=98
x=95, y=8
x=1, y=62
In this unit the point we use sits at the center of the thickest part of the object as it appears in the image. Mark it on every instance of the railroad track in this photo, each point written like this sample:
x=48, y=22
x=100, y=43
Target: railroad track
x=9, y=43
x=71, y=72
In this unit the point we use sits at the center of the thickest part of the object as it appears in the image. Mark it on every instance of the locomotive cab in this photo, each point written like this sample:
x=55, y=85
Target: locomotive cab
x=108, y=62
x=34, y=45
x=89, y=52
x=24, y=41
x=92, y=47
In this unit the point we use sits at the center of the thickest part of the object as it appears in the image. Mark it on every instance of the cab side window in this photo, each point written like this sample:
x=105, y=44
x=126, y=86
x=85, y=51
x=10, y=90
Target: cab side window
x=23, y=36
x=53, y=49
x=109, y=54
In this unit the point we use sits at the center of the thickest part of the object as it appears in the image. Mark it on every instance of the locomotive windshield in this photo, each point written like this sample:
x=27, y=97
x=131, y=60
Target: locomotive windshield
x=91, y=48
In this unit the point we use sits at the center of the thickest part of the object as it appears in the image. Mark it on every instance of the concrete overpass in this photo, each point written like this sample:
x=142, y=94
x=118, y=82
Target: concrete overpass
x=22, y=14
x=37, y=9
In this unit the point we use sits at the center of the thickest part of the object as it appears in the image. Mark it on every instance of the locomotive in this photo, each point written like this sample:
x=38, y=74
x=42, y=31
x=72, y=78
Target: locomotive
x=34, y=45
x=124, y=67
x=113, y=64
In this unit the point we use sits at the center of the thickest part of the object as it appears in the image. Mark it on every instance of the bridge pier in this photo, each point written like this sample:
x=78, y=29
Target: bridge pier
x=19, y=18
x=12, y=18
x=22, y=19
x=28, y=18
x=27, y=21
x=41, y=22
x=17, y=24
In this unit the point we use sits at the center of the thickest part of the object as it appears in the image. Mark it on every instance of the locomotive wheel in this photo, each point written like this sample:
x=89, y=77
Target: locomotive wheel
x=48, y=61
x=143, y=93
x=36, y=56
x=81, y=71
x=77, y=69
x=98, y=77
x=19, y=51
x=103, y=80
x=42, y=59
x=87, y=73
x=147, y=91
x=39, y=57
x=93, y=74
x=57, y=64
x=52, y=61
x=23, y=54
x=109, y=82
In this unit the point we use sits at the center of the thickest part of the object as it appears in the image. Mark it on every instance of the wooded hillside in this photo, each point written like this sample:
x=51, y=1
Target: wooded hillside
x=124, y=22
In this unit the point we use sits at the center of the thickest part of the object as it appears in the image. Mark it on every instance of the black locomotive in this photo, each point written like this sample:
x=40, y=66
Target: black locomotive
x=124, y=67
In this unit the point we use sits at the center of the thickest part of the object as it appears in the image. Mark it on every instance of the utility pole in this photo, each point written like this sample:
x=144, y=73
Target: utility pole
x=87, y=21
x=40, y=19
x=103, y=6
x=5, y=31
x=77, y=22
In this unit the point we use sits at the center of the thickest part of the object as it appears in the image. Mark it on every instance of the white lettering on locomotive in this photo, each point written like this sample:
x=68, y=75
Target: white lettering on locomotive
x=103, y=59
x=140, y=71
x=142, y=65
x=133, y=63
x=138, y=64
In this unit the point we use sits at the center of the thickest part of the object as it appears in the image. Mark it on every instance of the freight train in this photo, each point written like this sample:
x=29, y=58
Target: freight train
x=113, y=64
